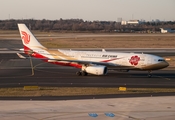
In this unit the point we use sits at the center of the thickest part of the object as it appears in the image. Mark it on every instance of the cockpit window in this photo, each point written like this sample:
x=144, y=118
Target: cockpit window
x=161, y=60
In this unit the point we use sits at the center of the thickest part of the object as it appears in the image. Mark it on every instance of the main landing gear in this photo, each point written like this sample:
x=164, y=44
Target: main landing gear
x=81, y=73
x=149, y=74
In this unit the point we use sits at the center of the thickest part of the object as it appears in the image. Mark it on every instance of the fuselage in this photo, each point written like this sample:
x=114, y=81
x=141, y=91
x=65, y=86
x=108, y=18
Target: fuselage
x=129, y=61
x=121, y=60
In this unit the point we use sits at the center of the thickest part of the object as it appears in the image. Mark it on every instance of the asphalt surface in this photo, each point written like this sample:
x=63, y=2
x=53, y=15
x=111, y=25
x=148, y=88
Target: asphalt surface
x=67, y=78
x=15, y=72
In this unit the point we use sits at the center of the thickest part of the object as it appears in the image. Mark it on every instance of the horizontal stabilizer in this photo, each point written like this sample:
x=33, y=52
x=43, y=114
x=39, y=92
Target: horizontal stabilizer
x=21, y=56
x=103, y=50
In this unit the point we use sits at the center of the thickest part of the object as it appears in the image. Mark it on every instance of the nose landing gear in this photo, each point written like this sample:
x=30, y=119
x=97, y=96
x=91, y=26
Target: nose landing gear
x=149, y=74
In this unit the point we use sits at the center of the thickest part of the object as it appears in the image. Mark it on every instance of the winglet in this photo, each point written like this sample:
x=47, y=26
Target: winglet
x=103, y=50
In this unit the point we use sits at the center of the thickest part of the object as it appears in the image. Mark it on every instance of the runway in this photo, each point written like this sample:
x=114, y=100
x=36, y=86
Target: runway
x=18, y=72
x=67, y=77
x=15, y=72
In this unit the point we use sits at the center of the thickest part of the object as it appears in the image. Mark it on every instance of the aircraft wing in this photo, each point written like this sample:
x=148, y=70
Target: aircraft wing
x=83, y=62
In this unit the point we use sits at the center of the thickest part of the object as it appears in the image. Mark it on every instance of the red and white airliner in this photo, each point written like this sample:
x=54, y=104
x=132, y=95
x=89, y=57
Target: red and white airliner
x=89, y=62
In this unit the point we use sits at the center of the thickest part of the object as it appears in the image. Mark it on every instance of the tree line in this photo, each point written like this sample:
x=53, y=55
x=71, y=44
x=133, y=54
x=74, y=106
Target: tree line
x=79, y=25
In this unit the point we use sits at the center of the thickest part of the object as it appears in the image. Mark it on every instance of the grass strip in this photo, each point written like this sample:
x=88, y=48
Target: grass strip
x=71, y=91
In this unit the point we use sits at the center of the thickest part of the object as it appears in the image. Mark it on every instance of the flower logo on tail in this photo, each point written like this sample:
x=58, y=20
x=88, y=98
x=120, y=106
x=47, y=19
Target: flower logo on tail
x=134, y=60
x=25, y=37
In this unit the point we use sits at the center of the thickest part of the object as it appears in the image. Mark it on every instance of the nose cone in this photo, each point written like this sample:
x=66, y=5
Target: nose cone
x=164, y=64
x=157, y=66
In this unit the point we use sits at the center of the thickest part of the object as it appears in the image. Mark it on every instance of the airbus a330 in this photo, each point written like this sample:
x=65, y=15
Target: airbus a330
x=89, y=62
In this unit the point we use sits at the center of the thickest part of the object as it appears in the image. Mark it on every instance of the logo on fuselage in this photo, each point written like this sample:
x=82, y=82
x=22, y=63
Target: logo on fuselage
x=25, y=37
x=134, y=60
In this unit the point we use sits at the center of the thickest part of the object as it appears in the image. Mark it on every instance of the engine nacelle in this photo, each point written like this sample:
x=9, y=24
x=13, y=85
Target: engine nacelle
x=96, y=70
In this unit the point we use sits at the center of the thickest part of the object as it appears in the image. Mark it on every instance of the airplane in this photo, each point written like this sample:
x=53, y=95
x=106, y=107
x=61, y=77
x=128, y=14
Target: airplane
x=167, y=30
x=89, y=62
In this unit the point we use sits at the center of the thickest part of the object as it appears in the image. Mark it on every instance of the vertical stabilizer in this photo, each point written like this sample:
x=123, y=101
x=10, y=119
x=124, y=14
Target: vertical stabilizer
x=28, y=39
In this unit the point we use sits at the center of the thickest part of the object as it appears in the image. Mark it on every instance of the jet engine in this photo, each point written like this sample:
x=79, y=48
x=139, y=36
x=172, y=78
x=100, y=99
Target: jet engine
x=96, y=70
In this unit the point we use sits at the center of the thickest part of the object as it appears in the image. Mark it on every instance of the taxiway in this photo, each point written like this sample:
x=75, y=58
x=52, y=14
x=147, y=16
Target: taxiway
x=16, y=72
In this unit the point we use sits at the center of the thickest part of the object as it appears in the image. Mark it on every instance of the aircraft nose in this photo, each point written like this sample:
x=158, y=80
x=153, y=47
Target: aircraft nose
x=164, y=64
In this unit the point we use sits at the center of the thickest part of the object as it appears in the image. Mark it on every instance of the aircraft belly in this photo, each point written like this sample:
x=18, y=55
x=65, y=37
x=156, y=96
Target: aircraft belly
x=156, y=66
x=122, y=68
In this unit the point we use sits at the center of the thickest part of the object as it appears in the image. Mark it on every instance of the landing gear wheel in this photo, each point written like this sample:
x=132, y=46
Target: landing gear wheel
x=83, y=73
x=149, y=74
x=78, y=73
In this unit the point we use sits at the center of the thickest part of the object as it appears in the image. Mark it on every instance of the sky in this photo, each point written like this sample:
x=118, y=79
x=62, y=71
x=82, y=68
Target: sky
x=90, y=10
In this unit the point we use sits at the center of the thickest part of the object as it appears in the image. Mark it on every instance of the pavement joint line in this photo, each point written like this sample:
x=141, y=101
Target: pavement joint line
x=162, y=77
x=51, y=72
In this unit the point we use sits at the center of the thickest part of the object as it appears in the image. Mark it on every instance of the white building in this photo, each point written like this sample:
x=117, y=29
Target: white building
x=135, y=22
x=124, y=22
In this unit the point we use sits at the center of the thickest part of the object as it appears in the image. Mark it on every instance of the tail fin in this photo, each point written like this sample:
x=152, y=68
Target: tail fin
x=28, y=39
x=162, y=30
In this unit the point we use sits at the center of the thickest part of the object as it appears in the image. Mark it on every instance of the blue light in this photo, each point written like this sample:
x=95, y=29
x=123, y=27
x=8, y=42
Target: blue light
x=93, y=114
x=109, y=114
